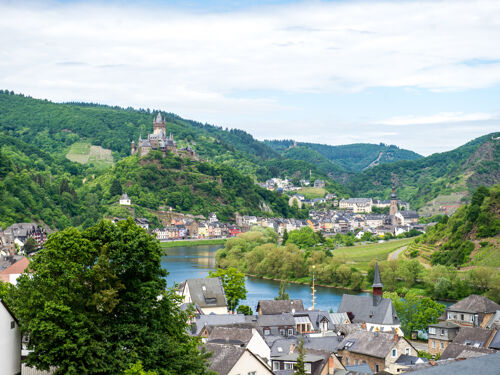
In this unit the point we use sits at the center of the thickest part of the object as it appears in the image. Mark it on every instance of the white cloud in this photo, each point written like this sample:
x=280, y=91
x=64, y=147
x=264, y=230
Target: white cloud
x=206, y=66
x=438, y=118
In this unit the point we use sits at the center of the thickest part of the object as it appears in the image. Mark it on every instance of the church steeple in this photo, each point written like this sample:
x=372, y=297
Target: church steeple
x=377, y=286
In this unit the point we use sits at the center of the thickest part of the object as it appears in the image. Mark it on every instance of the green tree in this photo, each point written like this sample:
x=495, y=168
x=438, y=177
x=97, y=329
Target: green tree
x=233, y=282
x=91, y=305
x=244, y=309
x=300, y=365
x=30, y=245
x=415, y=312
x=116, y=188
x=282, y=294
x=138, y=369
x=285, y=237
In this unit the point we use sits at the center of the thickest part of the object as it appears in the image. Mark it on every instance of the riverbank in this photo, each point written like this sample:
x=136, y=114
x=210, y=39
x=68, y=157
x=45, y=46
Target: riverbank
x=182, y=243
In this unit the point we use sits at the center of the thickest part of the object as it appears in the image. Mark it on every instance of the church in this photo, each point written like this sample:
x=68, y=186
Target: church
x=158, y=140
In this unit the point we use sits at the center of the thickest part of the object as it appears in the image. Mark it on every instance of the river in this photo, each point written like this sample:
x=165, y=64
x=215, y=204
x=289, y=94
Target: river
x=196, y=261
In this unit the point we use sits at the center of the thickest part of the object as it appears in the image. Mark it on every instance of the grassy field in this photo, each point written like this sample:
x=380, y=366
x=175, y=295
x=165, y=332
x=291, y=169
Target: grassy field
x=218, y=241
x=85, y=153
x=311, y=192
x=362, y=255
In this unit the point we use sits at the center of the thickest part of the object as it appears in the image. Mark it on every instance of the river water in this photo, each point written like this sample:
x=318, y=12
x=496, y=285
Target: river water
x=196, y=261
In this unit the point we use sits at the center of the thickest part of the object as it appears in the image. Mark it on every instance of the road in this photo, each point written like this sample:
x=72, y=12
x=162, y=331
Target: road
x=394, y=255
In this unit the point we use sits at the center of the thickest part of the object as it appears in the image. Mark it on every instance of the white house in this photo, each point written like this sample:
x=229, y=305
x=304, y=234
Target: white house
x=207, y=293
x=125, y=200
x=235, y=360
x=10, y=342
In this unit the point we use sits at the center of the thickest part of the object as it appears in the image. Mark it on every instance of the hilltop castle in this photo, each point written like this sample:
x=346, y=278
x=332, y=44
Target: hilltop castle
x=158, y=140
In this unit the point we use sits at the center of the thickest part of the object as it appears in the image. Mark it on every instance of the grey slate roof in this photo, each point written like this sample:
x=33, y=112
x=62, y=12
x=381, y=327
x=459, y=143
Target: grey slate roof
x=359, y=369
x=363, y=309
x=475, y=304
x=326, y=343
x=495, y=343
x=285, y=319
x=282, y=346
x=224, y=357
x=338, y=318
x=445, y=324
x=409, y=360
x=218, y=320
x=473, y=336
x=454, y=350
x=207, y=292
x=237, y=335
x=269, y=307
x=374, y=344
x=316, y=316
x=485, y=365
x=377, y=283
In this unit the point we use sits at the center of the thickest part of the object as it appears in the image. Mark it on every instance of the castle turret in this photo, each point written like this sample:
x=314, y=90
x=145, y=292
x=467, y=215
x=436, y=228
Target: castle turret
x=159, y=125
x=133, y=148
x=377, y=286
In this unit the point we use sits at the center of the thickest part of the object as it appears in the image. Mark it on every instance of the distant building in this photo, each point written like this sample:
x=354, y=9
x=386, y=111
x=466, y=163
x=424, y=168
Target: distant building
x=158, y=140
x=319, y=184
x=357, y=205
x=273, y=307
x=125, y=200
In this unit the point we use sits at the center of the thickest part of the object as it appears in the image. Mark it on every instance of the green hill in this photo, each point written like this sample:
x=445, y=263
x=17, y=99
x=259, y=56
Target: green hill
x=339, y=159
x=470, y=237
x=454, y=173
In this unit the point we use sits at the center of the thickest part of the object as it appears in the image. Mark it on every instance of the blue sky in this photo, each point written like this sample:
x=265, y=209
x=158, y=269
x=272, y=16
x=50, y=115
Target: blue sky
x=424, y=75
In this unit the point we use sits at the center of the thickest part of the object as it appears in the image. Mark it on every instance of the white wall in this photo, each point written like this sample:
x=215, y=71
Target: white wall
x=248, y=363
x=258, y=346
x=10, y=344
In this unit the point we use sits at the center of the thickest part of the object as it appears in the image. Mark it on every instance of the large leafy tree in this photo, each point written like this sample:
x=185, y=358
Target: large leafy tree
x=233, y=282
x=415, y=312
x=95, y=303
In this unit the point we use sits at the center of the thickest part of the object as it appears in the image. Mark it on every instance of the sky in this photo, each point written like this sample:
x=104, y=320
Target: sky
x=423, y=75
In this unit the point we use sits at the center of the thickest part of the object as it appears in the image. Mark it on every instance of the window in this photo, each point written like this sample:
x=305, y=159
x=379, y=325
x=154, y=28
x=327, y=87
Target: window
x=407, y=351
x=432, y=330
x=276, y=365
x=442, y=332
x=267, y=331
x=252, y=373
x=462, y=317
x=289, y=365
x=347, y=361
x=282, y=332
x=434, y=344
x=307, y=367
x=441, y=345
x=394, y=352
x=376, y=368
x=290, y=331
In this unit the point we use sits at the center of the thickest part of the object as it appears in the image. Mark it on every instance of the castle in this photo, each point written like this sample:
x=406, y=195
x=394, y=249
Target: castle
x=158, y=140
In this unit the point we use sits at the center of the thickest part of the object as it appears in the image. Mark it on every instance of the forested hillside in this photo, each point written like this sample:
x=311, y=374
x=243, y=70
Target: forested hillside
x=419, y=181
x=474, y=228
x=354, y=157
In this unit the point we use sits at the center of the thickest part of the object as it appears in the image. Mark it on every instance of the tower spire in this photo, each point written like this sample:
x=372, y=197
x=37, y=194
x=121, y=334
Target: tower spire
x=377, y=286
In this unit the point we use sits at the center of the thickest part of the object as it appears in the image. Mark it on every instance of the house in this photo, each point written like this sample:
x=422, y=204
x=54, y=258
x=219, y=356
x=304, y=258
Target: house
x=212, y=218
x=440, y=335
x=207, y=293
x=405, y=362
x=248, y=338
x=125, y=200
x=484, y=365
x=378, y=350
x=10, y=342
x=473, y=311
x=460, y=352
x=357, y=205
x=20, y=232
x=313, y=322
x=11, y=273
x=276, y=325
x=406, y=217
x=204, y=323
x=319, y=184
x=271, y=307
x=235, y=360
x=142, y=222
x=376, y=312
x=314, y=363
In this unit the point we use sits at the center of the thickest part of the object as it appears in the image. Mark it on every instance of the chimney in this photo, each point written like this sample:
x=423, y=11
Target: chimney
x=396, y=337
x=377, y=286
x=331, y=368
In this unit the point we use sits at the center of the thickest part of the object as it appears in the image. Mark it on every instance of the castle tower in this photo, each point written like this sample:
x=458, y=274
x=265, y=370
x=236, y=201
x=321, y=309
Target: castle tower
x=377, y=286
x=159, y=125
x=394, y=202
x=133, y=148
